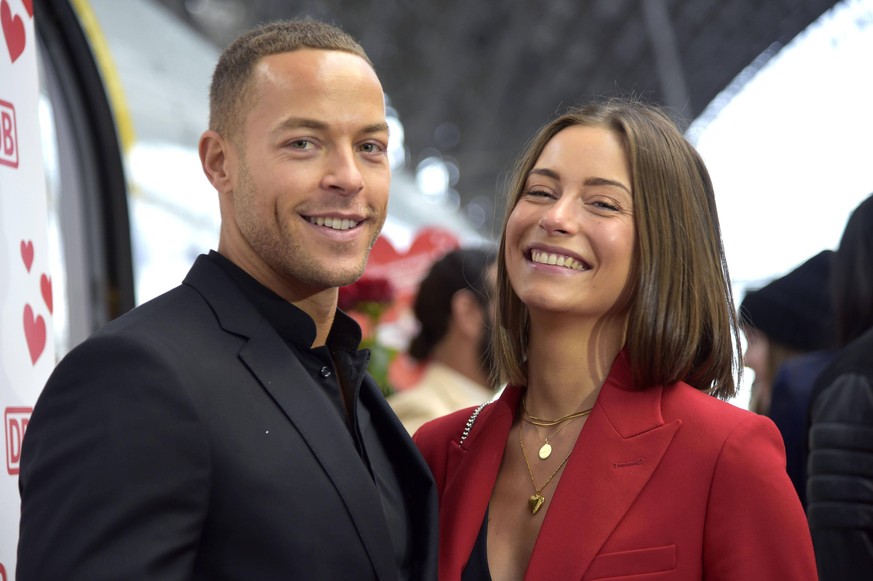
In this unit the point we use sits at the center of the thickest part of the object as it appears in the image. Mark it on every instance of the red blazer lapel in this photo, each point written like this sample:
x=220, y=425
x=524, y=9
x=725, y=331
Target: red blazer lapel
x=619, y=448
x=467, y=494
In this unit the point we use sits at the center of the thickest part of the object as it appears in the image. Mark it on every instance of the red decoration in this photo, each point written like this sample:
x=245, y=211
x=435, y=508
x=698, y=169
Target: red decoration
x=34, y=332
x=13, y=30
x=27, y=253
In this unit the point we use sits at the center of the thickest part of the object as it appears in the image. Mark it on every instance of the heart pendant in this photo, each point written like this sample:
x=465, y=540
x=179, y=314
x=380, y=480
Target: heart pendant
x=545, y=451
x=535, y=502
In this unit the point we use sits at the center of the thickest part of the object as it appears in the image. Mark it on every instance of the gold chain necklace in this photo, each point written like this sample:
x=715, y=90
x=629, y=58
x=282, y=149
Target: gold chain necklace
x=546, y=447
x=548, y=423
x=536, y=500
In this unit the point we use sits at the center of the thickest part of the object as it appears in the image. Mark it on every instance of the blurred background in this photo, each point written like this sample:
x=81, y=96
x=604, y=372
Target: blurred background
x=775, y=95
x=473, y=80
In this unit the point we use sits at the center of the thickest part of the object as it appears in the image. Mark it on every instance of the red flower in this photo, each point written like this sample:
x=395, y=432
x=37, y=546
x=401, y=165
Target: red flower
x=366, y=290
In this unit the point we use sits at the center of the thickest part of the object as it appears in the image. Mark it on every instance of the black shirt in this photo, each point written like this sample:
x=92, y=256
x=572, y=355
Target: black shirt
x=337, y=365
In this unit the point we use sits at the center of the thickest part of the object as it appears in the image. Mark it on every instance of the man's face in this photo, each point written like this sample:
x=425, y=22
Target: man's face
x=310, y=172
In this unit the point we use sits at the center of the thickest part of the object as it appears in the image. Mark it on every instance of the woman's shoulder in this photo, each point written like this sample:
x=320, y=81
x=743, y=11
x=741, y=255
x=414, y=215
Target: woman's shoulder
x=711, y=415
x=461, y=427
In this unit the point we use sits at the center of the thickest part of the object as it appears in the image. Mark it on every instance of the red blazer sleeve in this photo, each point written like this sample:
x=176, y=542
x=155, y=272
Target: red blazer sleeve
x=755, y=528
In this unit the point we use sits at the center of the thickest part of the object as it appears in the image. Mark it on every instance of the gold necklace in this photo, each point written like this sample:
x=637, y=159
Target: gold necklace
x=536, y=500
x=548, y=423
x=546, y=447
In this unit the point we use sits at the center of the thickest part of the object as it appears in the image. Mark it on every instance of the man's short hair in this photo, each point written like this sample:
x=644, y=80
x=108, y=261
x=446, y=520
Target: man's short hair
x=230, y=86
x=461, y=269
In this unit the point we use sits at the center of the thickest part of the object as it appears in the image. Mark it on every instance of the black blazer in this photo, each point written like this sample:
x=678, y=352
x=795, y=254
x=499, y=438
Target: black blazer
x=185, y=441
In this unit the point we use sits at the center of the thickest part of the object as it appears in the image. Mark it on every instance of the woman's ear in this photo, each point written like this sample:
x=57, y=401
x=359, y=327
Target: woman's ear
x=216, y=159
x=467, y=315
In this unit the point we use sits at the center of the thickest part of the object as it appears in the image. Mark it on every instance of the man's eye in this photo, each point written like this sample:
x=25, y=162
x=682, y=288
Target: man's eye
x=300, y=144
x=371, y=147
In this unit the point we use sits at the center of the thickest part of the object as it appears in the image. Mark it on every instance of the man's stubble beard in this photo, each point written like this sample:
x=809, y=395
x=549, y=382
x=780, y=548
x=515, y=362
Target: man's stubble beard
x=282, y=251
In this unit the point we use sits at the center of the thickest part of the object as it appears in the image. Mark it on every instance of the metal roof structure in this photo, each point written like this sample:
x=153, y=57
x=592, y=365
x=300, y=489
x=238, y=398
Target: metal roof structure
x=473, y=80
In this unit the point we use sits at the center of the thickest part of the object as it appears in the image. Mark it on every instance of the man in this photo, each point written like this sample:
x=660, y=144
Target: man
x=228, y=429
x=452, y=309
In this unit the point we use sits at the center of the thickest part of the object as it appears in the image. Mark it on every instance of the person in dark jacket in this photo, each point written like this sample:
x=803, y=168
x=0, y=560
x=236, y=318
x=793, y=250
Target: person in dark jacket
x=840, y=469
x=789, y=328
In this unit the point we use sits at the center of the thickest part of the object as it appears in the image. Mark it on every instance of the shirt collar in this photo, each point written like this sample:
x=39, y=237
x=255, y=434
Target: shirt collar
x=292, y=324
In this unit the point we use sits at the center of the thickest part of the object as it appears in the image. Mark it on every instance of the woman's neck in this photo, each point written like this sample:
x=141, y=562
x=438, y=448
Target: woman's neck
x=568, y=362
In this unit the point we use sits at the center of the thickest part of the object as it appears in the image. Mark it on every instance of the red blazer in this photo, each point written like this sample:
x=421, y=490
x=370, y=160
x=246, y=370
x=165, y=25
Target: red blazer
x=663, y=483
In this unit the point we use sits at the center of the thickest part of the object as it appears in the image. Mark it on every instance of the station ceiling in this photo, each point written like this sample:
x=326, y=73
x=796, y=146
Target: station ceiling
x=473, y=80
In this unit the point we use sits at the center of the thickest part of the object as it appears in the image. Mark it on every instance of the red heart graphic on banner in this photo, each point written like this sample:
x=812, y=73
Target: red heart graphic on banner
x=34, y=332
x=45, y=285
x=28, y=5
x=27, y=253
x=405, y=271
x=13, y=30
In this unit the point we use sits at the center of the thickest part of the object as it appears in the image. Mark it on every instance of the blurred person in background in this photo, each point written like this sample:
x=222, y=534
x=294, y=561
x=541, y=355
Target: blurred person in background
x=789, y=330
x=787, y=317
x=606, y=456
x=453, y=311
x=228, y=429
x=840, y=469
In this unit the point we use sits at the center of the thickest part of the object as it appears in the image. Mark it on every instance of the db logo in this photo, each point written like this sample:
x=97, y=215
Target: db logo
x=8, y=135
x=16, y=424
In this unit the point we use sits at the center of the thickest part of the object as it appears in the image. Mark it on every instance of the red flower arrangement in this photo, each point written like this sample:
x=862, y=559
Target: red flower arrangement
x=371, y=297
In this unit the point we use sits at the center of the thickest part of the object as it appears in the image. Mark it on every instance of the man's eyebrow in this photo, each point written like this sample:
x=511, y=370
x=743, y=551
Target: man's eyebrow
x=305, y=123
x=376, y=128
x=301, y=122
x=595, y=181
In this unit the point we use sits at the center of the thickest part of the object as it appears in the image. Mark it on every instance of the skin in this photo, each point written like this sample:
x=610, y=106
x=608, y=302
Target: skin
x=756, y=357
x=577, y=203
x=313, y=146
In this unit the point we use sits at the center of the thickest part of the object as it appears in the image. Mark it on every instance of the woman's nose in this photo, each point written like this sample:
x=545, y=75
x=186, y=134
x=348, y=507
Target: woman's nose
x=559, y=219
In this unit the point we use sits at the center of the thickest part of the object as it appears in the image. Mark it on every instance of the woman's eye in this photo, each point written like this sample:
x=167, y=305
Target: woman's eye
x=539, y=194
x=605, y=205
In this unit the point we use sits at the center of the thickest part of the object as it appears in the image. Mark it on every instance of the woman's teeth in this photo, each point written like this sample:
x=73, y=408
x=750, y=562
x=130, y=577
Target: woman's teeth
x=556, y=259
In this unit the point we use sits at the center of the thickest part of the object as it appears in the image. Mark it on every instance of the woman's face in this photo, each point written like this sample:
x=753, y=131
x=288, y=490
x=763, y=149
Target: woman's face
x=570, y=236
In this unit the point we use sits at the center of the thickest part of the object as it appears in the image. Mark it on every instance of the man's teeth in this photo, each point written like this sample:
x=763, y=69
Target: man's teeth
x=556, y=259
x=335, y=223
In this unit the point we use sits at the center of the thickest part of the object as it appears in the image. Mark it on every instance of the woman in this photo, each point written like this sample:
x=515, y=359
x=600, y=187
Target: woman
x=605, y=456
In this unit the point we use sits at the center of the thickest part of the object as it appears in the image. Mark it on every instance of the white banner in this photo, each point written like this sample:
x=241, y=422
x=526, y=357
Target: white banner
x=26, y=302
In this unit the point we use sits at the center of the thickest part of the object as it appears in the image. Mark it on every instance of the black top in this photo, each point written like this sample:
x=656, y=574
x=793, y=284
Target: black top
x=477, y=567
x=338, y=365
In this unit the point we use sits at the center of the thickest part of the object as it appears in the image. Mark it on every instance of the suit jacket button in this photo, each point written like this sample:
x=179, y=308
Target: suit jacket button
x=325, y=371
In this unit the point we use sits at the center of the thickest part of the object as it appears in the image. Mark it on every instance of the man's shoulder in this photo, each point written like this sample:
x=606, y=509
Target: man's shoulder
x=173, y=308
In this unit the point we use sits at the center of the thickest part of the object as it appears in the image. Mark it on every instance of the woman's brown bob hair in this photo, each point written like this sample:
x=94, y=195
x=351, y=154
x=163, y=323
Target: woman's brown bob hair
x=681, y=319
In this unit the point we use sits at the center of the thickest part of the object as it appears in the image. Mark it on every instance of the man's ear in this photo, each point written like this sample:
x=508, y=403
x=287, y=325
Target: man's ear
x=216, y=158
x=467, y=315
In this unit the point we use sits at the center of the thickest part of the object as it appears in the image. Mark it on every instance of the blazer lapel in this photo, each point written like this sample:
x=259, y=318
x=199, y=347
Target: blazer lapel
x=302, y=401
x=619, y=448
x=466, y=496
